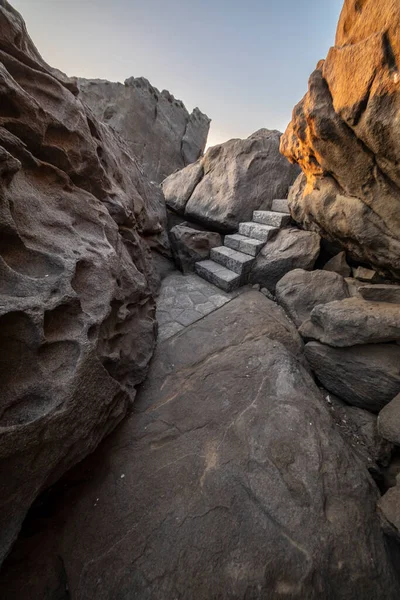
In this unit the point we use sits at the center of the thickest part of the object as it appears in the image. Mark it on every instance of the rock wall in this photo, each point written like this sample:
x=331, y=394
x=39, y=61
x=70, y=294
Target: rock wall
x=77, y=326
x=231, y=181
x=157, y=127
x=345, y=135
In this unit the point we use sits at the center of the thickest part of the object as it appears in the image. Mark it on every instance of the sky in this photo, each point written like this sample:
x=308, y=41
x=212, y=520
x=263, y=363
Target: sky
x=245, y=63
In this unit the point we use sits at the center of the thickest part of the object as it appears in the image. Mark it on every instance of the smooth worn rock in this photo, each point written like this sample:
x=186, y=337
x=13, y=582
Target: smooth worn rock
x=353, y=321
x=240, y=486
x=389, y=421
x=364, y=376
x=338, y=264
x=77, y=315
x=158, y=129
x=289, y=249
x=389, y=511
x=345, y=135
x=300, y=291
x=232, y=180
x=380, y=293
x=190, y=245
x=360, y=429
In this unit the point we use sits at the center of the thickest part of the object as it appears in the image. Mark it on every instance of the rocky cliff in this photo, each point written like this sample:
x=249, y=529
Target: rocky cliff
x=345, y=136
x=77, y=324
x=157, y=127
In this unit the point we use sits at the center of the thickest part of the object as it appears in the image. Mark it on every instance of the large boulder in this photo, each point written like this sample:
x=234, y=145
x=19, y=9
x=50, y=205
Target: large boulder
x=231, y=181
x=190, y=245
x=353, y=321
x=346, y=138
x=158, y=129
x=77, y=325
x=231, y=481
x=290, y=249
x=365, y=376
x=300, y=291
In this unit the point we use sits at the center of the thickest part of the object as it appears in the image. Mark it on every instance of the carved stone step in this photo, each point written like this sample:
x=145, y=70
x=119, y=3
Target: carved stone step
x=243, y=243
x=218, y=275
x=233, y=260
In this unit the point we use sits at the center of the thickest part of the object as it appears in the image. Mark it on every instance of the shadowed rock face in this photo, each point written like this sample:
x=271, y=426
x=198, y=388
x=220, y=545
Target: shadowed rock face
x=230, y=481
x=345, y=135
x=160, y=132
x=232, y=180
x=77, y=321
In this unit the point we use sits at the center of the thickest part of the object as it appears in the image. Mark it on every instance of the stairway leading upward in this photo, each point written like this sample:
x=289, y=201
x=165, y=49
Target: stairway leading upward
x=229, y=265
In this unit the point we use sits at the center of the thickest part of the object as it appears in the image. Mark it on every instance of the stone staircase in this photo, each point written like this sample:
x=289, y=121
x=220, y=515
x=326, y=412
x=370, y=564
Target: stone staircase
x=229, y=265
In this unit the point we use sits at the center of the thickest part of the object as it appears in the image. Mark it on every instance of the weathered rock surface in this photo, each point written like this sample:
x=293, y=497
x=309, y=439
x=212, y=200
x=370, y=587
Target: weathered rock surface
x=77, y=323
x=365, y=376
x=289, y=249
x=232, y=180
x=338, y=264
x=158, y=129
x=380, y=293
x=360, y=429
x=353, y=321
x=389, y=511
x=300, y=291
x=389, y=421
x=346, y=138
x=241, y=486
x=190, y=245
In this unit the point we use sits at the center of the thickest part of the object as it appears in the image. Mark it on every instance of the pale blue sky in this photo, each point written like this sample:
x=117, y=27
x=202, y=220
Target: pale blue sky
x=244, y=63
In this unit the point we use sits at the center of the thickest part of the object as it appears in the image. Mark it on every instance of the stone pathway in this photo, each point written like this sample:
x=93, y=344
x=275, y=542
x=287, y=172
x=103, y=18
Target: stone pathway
x=183, y=300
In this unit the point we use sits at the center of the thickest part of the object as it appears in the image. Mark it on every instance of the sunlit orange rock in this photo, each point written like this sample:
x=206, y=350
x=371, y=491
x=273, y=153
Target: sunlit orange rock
x=345, y=135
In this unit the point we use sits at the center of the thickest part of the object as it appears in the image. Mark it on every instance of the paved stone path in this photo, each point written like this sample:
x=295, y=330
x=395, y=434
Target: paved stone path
x=183, y=300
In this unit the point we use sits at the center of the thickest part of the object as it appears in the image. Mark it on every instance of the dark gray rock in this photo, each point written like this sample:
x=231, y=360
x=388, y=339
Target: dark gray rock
x=158, y=129
x=380, y=293
x=353, y=321
x=338, y=264
x=289, y=249
x=300, y=291
x=389, y=421
x=389, y=511
x=360, y=429
x=365, y=376
x=232, y=180
x=230, y=481
x=191, y=245
x=77, y=315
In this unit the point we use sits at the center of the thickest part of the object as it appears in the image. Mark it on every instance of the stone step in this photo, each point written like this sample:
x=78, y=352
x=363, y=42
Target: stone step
x=269, y=217
x=243, y=244
x=256, y=230
x=235, y=261
x=218, y=275
x=280, y=206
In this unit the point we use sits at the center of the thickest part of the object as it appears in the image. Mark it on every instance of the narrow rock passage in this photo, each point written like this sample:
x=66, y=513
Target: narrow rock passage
x=228, y=481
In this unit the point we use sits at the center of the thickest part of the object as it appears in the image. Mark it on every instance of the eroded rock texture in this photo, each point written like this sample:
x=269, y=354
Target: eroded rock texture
x=77, y=328
x=159, y=130
x=231, y=481
x=231, y=181
x=345, y=135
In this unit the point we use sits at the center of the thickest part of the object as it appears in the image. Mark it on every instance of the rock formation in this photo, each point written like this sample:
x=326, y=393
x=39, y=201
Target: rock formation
x=158, y=129
x=345, y=135
x=232, y=180
x=232, y=481
x=77, y=221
